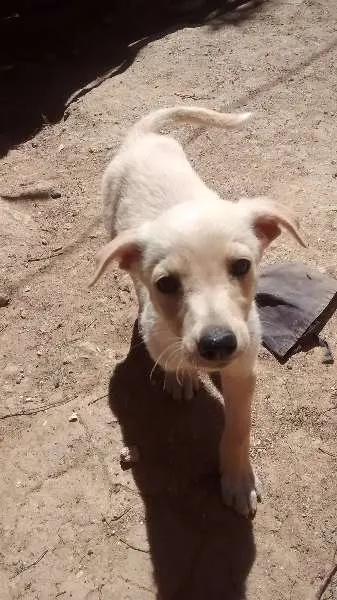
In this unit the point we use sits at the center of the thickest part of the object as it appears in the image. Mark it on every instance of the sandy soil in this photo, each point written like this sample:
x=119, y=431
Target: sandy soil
x=74, y=524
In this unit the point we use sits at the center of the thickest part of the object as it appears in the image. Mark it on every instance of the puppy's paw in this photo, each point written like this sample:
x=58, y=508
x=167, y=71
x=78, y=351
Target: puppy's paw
x=242, y=492
x=181, y=389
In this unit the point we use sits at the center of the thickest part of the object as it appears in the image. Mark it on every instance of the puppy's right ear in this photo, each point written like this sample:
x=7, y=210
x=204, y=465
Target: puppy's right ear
x=123, y=248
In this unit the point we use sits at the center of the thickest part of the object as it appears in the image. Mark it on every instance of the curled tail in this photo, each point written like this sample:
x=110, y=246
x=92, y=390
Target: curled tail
x=153, y=122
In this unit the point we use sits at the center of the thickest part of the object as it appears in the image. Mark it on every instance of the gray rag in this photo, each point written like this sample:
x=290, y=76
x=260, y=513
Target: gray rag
x=294, y=302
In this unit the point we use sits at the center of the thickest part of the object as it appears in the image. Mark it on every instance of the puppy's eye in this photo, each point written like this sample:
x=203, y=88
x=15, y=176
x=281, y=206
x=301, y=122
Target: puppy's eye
x=240, y=267
x=169, y=284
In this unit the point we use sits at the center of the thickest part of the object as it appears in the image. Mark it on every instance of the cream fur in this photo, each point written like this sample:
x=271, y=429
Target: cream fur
x=162, y=219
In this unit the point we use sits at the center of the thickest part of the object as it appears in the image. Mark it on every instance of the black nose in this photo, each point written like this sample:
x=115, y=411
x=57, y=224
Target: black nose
x=217, y=343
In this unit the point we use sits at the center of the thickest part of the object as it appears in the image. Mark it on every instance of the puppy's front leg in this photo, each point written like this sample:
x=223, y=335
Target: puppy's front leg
x=240, y=486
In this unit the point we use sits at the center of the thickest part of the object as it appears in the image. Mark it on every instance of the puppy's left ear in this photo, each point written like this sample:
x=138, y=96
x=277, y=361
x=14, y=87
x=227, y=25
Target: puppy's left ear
x=267, y=219
x=124, y=249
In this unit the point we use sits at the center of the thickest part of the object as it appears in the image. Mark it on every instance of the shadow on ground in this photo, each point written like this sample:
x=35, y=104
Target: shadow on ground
x=199, y=549
x=50, y=49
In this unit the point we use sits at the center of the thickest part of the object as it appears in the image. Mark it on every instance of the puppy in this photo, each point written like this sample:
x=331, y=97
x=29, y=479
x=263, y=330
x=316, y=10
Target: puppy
x=193, y=258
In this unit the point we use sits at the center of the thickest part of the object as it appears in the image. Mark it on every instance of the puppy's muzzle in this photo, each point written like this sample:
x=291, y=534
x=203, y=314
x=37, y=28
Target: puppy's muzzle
x=217, y=344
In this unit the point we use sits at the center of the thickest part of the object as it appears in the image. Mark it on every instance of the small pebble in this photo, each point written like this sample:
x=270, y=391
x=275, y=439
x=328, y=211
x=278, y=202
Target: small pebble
x=129, y=456
x=19, y=377
x=73, y=418
x=4, y=300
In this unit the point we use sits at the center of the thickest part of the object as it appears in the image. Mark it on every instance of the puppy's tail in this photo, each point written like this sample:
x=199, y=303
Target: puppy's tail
x=153, y=122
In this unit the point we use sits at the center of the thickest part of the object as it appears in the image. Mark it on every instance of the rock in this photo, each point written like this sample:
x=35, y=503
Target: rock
x=129, y=456
x=73, y=418
x=4, y=299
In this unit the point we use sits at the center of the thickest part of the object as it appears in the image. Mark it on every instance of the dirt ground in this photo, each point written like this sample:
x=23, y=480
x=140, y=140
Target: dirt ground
x=74, y=524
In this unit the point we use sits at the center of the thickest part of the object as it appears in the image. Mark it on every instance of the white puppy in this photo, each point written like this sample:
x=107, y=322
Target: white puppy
x=193, y=257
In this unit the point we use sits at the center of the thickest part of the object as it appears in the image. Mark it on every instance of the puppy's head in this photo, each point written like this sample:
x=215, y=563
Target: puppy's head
x=198, y=264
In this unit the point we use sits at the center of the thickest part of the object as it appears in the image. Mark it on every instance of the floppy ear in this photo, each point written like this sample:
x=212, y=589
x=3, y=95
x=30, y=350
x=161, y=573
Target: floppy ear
x=123, y=248
x=268, y=218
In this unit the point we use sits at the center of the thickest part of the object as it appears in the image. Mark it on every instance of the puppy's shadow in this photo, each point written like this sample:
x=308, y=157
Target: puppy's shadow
x=199, y=549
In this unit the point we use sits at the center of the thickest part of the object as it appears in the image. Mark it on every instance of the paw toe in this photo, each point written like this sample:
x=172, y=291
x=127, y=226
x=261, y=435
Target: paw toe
x=242, y=495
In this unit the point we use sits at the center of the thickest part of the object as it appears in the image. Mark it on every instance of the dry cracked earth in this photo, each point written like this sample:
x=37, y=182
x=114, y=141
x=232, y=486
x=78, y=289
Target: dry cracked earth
x=74, y=524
